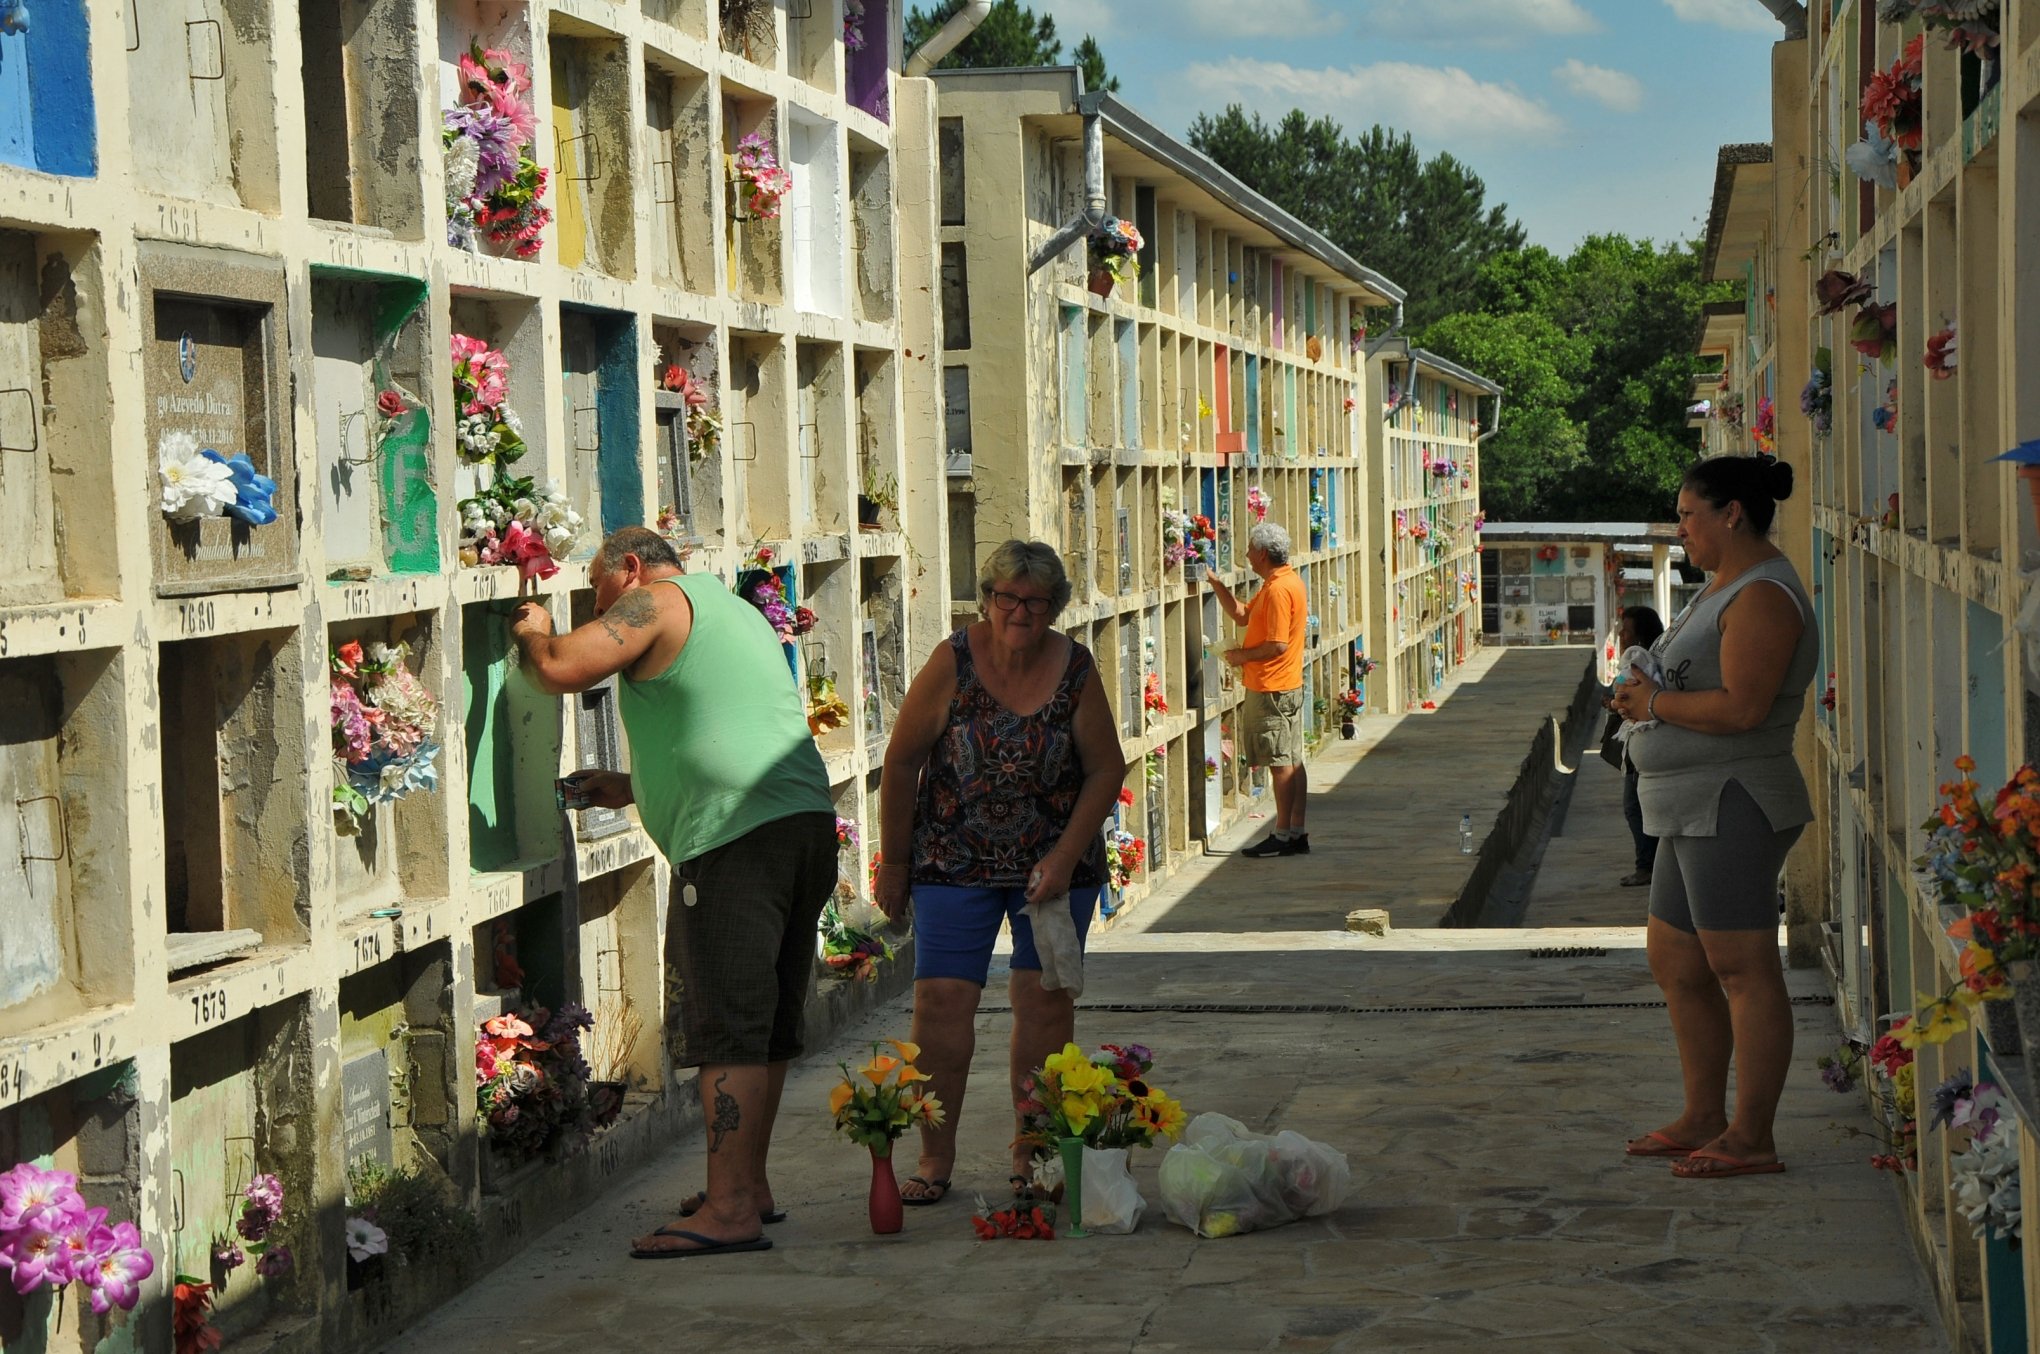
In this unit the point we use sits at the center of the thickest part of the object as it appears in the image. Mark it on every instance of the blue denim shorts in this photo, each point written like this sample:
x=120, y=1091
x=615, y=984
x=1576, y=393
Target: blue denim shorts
x=955, y=929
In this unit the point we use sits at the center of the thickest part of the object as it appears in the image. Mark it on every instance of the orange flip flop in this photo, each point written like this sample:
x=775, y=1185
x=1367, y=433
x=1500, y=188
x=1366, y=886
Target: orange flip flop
x=1729, y=1166
x=1656, y=1144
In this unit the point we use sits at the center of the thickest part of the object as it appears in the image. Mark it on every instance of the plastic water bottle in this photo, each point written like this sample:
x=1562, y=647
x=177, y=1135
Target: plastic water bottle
x=1465, y=834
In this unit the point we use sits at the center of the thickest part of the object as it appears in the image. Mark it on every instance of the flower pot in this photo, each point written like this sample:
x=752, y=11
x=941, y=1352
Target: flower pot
x=1072, y=1152
x=884, y=1200
x=1102, y=282
x=2025, y=1004
x=867, y=514
x=1346, y=729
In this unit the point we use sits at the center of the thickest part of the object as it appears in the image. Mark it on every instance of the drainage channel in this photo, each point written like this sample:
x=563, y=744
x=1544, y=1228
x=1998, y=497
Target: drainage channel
x=1352, y=1008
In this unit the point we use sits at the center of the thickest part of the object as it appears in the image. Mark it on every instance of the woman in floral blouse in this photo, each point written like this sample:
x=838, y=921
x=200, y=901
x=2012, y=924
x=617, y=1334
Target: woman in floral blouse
x=1003, y=766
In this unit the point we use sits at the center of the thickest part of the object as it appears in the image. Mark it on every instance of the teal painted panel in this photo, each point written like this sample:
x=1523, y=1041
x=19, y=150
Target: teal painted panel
x=616, y=419
x=492, y=824
x=1251, y=411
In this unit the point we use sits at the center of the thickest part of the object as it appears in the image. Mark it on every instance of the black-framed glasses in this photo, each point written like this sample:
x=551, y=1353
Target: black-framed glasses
x=1007, y=601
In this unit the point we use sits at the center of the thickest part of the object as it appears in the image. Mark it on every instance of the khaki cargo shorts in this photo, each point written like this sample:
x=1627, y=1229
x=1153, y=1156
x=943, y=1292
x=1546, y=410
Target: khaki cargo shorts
x=1273, y=732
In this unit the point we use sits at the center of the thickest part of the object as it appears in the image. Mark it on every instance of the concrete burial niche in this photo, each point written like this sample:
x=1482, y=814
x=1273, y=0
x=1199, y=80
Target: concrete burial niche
x=820, y=439
x=64, y=901
x=88, y=1127
x=690, y=469
x=202, y=100
x=56, y=475
x=513, y=748
x=682, y=159
x=215, y=368
x=400, y=1063
x=623, y=976
x=757, y=270
x=47, y=118
x=600, y=372
x=591, y=147
x=241, y=1105
x=230, y=725
x=882, y=644
x=399, y=852
x=599, y=743
x=515, y=325
x=361, y=113
x=379, y=506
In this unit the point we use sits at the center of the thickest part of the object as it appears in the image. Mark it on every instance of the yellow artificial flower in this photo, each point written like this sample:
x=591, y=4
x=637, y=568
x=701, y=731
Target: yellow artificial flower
x=909, y=1074
x=1079, y=1110
x=1165, y=1113
x=929, y=1109
x=907, y=1049
x=1936, y=1023
x=841, y=1096
x=879, y=1068
x=1057, y=1064
x=1902, y=1083
x=1086, y=1078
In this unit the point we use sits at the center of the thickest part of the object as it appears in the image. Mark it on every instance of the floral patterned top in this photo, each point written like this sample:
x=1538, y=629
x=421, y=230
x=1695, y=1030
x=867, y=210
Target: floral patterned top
x=999, y=788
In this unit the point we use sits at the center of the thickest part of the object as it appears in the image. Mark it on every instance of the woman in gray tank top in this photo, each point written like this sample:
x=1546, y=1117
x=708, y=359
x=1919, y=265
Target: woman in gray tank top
x=1723, y=795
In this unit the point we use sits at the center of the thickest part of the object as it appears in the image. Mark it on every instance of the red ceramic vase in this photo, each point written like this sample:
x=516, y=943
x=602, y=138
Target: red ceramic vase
x=884, y=1202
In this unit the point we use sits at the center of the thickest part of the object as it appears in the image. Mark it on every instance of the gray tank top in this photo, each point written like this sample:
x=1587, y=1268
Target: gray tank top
x=1681, y=772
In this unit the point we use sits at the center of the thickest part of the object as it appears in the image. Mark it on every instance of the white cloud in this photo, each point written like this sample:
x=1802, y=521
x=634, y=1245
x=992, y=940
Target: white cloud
x=1443, y=107
x=1746, y=15
x=1612, y=89
x=1271, y=18
x=1482, y=23
x=1284, y=18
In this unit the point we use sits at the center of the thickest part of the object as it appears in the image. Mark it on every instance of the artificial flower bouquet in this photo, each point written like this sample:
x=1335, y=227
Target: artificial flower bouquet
x=1151, y=697
x=827, y=711
x=49, y=1238
x=514, y=522
x=1891, y=100
x=758, y=169
x=1115, y=245
x=1124, y=856
x=1081, y=1113
x=487, y=428
x=535, y=1094
x=1177, y=543
x=759, y=584
x=493, y=186
x=1984, y=1177
x=385, y=729
x=1894, y=1091
x=1257, y=502
x=1348, y=703
x=879, y=1102
x=849, y=947
x=704, y=425
x=1971, y=25
x=200, y=482
x=1817, y=397
x=1020, y=1220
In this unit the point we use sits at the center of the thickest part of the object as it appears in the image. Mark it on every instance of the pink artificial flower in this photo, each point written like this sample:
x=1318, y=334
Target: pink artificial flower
x=28, y=1191
x=507, y=1027
x=527, y=550
x=116, y=1267
x=275, y=1262
x=487, y=1062
x=75, y=1238
x=37, y=1256
x=347, y=659
x=389, y=404
x=488, y=371
x=764, y=554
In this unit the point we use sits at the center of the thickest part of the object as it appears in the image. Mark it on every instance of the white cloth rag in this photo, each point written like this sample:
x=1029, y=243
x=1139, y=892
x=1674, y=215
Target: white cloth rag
x=1055, y=940
x=1642, y=659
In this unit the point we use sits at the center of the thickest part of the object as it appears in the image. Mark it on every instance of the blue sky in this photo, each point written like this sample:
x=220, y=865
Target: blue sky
x=1584, y=116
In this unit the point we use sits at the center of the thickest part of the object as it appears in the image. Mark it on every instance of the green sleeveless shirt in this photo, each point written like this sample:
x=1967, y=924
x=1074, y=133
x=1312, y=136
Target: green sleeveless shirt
x=719, y=741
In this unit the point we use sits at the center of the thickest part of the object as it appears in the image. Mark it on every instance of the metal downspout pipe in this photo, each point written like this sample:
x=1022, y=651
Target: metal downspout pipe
x=1791, y=13
x=1497, y=425
x=960, y=26
x=1077, y=227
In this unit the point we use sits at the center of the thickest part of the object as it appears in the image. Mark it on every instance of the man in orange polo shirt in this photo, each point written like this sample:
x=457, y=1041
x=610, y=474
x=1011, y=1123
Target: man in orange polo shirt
x=1270, y=661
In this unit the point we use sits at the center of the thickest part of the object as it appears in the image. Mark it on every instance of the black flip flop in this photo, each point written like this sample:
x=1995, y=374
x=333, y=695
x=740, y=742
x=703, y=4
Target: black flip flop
x=924, y=1200
x=695, y=1205
x=706, y=1245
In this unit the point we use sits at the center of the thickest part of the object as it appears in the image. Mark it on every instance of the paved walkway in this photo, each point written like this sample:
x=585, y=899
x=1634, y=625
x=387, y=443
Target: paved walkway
x=1482, y=1090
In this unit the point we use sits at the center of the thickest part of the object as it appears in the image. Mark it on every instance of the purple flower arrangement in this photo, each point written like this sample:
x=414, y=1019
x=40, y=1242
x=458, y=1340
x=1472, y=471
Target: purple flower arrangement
x=256, y=1228
x=49, y=1238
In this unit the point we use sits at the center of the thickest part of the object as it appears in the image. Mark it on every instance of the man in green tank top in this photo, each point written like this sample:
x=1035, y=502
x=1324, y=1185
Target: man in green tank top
x=730, y=786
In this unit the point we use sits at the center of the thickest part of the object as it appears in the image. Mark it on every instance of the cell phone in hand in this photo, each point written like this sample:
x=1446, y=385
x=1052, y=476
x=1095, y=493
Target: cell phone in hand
x=568, y=792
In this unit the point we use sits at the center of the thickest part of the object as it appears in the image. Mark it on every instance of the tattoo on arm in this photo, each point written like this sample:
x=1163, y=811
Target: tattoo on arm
x=633, y=611
x=727, y=1117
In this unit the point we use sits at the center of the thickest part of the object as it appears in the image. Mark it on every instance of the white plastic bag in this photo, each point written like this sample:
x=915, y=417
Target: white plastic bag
x=1222, y=1180
x=1055, y=940
x=1646, y=662
x=1112, y=1202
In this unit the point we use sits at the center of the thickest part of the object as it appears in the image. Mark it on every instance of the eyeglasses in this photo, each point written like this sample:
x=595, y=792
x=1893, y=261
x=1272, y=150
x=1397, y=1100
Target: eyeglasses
x=1006, y=601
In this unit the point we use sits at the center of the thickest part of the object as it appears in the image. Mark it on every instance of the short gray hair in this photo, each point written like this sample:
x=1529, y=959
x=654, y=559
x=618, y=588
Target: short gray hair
x=1033, y=562
x=649, y=546
x=1268, y=537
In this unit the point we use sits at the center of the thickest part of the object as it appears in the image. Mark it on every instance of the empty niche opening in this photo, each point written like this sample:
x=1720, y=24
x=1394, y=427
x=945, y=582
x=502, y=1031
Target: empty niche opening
x=90, y=1128
x=361, y=113
x=202, y=102
x=599, y=371
x=689, y=16
x=955, y=295
x=513, y=748
x=216, y=377
x=755, y=217
x=819, y=436
x=241, y=1105
x=623, y=974
x=882, y=646
x=390, y=843
x=814, y=210
x=231, y=727
x=758, y=436
x=878, y=465
x=814, y=30
x=599, y=743
x=871, y=239
x=591, y=147
x=372, y=418
x=688, y=416
x=749, y=28
x=681, y=160
x=63, y=776
x=512, y=326
x=55, y=466
x=400, y=1064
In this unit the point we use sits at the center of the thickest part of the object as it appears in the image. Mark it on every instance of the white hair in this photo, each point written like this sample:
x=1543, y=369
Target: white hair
x=1271, y=540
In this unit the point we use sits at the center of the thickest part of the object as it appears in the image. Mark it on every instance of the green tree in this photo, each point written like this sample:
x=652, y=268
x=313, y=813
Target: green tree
x=1423, y=224
x=1538, y=445
x=1011, y=35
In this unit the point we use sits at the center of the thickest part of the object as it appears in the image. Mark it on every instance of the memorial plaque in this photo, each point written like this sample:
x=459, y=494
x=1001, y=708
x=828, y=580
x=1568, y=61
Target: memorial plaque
x=365, y=1108
x=214, y=371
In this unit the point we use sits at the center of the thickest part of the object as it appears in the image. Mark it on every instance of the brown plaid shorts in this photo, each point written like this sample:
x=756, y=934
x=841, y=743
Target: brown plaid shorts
x=740, y=942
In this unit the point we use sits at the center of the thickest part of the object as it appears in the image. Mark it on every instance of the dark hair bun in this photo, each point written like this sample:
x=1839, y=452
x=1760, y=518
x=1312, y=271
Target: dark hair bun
x=1778, y=480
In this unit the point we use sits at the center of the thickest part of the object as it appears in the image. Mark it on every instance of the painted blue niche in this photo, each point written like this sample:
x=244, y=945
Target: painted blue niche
x=46, y=113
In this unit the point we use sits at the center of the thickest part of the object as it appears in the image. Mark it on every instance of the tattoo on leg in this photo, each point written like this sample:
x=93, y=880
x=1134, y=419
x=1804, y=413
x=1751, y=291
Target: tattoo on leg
x=727, y=1116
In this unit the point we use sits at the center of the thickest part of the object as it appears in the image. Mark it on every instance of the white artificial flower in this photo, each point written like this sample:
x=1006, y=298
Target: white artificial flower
x=523, y=509
x=463, y=163
x=365, y=1239
x=193, y=486
x=510, y=419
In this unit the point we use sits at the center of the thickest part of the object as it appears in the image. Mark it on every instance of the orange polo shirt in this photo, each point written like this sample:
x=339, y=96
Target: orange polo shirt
x=1279, y=611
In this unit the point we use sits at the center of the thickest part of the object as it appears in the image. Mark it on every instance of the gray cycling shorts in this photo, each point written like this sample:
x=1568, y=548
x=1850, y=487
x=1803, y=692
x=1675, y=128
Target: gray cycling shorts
x=1727, y=882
